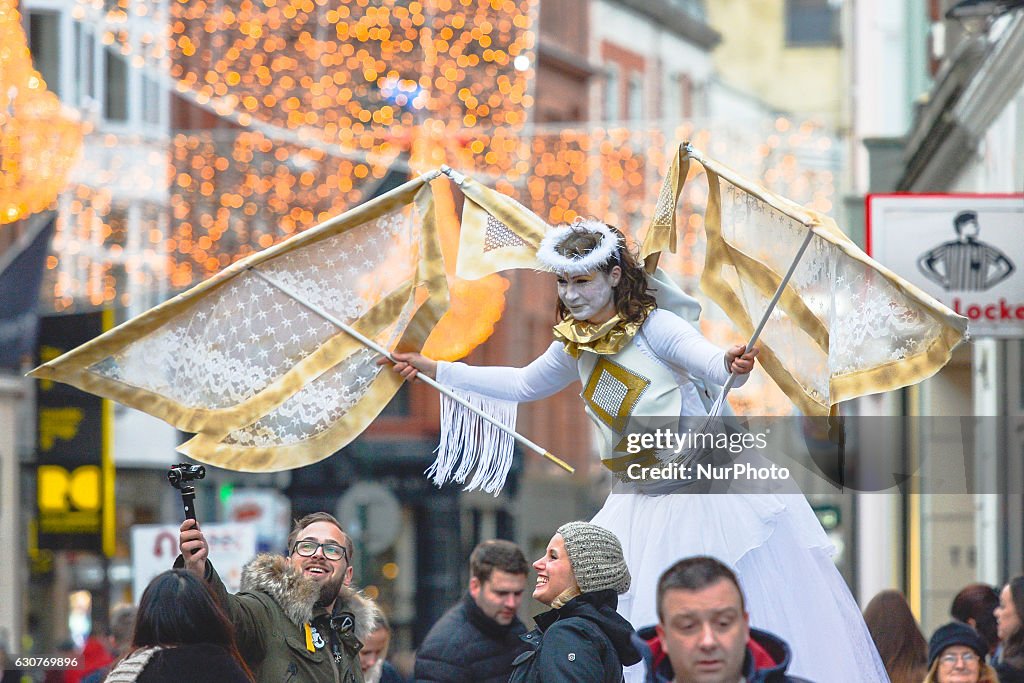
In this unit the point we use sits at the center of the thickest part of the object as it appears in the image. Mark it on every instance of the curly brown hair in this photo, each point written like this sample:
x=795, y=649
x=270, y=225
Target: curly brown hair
x=633, y=300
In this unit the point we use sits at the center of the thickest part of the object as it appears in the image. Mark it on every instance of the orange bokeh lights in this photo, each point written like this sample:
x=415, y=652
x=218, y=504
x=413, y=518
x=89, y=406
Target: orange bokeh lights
x=313, y=106
x=39, y=141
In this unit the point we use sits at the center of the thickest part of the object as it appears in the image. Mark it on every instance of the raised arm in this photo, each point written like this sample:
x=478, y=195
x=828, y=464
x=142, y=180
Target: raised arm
x=679, y=343
x=247, y=612
x=551, y=372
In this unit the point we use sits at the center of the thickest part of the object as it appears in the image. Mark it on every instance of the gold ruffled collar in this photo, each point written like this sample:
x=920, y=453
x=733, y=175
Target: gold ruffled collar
x=604, y=339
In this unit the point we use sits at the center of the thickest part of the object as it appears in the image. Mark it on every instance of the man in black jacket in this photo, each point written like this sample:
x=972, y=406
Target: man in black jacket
x=477, y=639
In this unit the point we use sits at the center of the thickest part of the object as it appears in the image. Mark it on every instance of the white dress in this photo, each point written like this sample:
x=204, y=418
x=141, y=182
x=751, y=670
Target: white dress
x=774, y=542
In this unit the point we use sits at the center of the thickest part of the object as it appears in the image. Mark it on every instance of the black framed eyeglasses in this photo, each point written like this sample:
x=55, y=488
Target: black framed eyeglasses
x=332, y=551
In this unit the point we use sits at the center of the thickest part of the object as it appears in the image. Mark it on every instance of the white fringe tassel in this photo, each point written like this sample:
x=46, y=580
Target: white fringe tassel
x=469, y=442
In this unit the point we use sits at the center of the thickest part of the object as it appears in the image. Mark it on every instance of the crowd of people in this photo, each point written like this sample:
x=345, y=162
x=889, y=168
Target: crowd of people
x=298, y=618
x=984, y=643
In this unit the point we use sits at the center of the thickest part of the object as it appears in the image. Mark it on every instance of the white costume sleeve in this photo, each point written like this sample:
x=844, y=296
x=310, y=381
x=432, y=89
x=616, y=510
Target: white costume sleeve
x=679, y=343
x=548, y=374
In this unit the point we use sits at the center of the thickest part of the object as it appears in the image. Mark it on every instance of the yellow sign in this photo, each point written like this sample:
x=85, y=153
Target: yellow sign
x=69, y=502
x=58, y=423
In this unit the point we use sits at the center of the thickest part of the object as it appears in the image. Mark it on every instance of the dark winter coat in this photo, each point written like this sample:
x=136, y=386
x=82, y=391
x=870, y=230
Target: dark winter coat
x=390, y=674
x=1008, y=673
x=198, y=663
x=467, y=645
x=584, y=641
x=767, y=659
x=270, y=614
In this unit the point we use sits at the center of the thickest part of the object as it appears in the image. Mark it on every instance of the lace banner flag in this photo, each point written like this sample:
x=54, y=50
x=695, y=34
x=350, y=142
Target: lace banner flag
x=845, y=326
x=498, y=233
x=266, y=383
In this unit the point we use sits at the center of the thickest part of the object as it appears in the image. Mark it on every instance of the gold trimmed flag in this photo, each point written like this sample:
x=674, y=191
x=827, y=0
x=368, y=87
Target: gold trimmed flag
x=845, y=326
x=264, y=381
x=498, y=233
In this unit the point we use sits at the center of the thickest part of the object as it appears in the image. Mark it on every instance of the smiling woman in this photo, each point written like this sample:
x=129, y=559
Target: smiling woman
x=582, y=638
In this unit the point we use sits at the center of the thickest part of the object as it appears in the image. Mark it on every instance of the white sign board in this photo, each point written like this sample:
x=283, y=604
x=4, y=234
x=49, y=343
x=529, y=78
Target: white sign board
x=966, y=250
x=155, y=546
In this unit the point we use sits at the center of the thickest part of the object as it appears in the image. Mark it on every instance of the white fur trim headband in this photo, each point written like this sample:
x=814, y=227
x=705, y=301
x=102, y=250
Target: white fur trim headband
x=606, y=250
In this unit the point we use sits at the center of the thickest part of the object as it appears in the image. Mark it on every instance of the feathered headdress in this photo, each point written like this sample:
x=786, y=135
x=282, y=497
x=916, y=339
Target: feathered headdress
x=607, y=249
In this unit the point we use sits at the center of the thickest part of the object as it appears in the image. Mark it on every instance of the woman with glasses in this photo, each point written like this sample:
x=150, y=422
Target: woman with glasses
x=956, y=654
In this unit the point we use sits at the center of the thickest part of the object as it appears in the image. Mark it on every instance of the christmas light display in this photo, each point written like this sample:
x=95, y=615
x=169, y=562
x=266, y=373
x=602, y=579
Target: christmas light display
x=39, y=141
x=311, y=105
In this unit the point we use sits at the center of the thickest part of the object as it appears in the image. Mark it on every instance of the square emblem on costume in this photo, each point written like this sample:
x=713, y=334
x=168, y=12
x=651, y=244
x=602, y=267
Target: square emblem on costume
x=612, y=393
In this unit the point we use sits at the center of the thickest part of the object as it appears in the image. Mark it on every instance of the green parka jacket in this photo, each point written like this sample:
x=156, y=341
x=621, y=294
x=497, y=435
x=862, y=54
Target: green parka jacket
x=271, y=613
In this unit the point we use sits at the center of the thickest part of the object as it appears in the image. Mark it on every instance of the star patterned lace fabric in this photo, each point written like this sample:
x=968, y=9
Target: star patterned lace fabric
x=253, y=361
x=845, y=326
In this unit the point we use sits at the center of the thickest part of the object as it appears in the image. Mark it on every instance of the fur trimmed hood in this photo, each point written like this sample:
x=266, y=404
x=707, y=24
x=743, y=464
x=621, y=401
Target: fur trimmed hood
x=297, y=595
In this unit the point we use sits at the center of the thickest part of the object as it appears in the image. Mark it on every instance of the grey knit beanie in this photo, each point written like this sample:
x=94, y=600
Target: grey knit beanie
x=595, y=555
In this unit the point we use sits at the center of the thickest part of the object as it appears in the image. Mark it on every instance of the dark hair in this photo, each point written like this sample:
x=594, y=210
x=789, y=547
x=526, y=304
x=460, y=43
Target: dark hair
x=496, y=554
x=977, y=602
x=899, y=640
x=694, y=574
x=964, y=217
x=1013, y=644
x=632, y=300
x=313, y=518
x=177, y=608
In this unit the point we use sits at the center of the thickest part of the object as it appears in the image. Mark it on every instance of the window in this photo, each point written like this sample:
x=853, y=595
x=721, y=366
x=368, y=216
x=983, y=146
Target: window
x=97, y=79
x=679, y=97
x=44, y=43
x=115, y=100
x=812, y=22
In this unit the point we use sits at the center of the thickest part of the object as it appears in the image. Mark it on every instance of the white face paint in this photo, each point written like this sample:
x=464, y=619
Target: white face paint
x=590, y=297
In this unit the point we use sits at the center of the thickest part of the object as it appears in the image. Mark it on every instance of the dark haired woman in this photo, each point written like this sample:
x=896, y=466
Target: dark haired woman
x=1010, y=666
x=181, y=634
x=975, y=605
x=636, y=359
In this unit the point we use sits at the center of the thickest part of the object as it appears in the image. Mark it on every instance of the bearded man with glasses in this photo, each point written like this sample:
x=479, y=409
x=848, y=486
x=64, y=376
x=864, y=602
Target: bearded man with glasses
x=297, y=618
